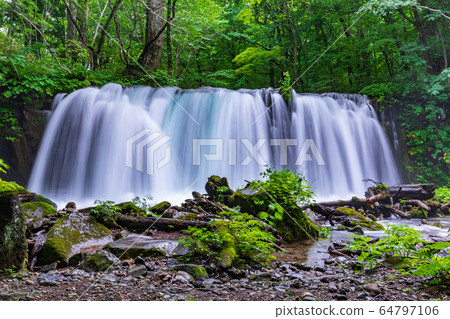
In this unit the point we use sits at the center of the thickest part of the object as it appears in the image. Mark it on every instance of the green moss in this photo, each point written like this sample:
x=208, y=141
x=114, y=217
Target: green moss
x=20, y=189
x=100, y=261
x=40, y=209
x=7, y=190
x=70, y=234
x=228, y=253
x=160, y=208
x=417, y=212
x=190, y=216
x=196, y=271
x=40, y=198
x=370, y=225
x=352, y=213
x=372, y=217
x=341, y=227
x=131, y=209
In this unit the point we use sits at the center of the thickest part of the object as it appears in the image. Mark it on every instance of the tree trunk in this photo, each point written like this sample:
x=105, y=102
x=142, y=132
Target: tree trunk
x=71, y=34
x=151, y=54
x=169, y=40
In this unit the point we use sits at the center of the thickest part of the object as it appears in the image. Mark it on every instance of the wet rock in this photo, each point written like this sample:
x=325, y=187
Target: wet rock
x=212, y=281
x=340, y=297
x=47, y=268
x=196, y=271
x=357, y=230
x=49, y=279
x=332, y=287
x=183, y=277
x=79, y=273
x=216, y=186
x=196, y=195
x=37, y=213
x=263, y=276
x=76, y=259
x=302, y=266
x=108, y=278
x=137, y=271
x=70, y=235
x=372, y=288
x=160, y=208
x=319, y=268
x=361, y=295
x=100, y=261
x=134, y=245
x=13, y=243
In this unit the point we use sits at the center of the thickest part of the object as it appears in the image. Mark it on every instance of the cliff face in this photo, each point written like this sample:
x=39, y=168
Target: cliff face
x=21, y=153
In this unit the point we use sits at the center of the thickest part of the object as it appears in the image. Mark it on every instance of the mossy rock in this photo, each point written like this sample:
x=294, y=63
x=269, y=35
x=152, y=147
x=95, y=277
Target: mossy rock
x=160, y=207
x=196, y=271
x=341, y=227
x=295, y=224
x=372, y=217
x=213, y=185
x=128, y=208
x=13, y=242
x=38, y=210
x=20, y=189
x=40, y=198
x=133, y=246
x=352, y=213
x=70, y=235
x=228, y=253
x=371, y=225
x=100, y=261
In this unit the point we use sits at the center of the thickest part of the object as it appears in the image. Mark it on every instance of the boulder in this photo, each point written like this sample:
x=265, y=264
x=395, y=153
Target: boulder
x=36, y=213
x=72, y=234
x=13, y=242
x=160, y=208
x=294, y=225
x=218, y=186
x=358, y=219
x=100, y=261
x=196, y=271
x=133, y=246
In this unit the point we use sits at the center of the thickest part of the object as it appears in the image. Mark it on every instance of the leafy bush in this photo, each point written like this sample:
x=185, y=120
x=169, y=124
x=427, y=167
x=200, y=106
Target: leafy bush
x=404, y=248
x=104, y=209
x=442, y=195
x=248, y=238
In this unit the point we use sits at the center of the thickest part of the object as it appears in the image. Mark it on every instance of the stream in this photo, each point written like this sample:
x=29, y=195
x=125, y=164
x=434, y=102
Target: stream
x=313, y=252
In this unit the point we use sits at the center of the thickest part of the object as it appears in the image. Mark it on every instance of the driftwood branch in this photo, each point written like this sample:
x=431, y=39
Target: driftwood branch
x=167, y=224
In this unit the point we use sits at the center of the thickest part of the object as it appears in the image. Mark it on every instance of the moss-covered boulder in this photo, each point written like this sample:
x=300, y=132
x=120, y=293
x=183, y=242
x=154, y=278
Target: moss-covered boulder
x=217, y=186
x=160, y=207
x=70, y=235
x=359, y=219
x=130, y=209
x=100, y=261
x=13, y=242
x=292, y=225
x=196, y=271
x=36, y=212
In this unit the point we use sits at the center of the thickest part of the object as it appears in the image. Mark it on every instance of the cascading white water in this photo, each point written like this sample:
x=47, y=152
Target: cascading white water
x=83, y=155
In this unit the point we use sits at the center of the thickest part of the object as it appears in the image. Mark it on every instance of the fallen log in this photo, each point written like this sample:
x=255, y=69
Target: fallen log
x=418, y=203
x=413, y=191
x=167, y=224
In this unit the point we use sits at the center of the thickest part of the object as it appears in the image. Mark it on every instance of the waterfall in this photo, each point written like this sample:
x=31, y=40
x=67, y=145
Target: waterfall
x=116, y=143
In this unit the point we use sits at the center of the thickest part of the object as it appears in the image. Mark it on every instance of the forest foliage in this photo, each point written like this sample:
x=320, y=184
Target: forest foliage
x=394, y=51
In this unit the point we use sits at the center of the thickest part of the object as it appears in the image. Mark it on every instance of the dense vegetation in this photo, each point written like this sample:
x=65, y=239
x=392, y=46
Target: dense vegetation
x=395, y=51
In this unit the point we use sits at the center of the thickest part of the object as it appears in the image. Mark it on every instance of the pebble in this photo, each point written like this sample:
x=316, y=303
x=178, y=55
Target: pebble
x=108, y=278
x=309, y=298
x=373, y=288
x=137, y=271
x=332, y=287
x=340, y=297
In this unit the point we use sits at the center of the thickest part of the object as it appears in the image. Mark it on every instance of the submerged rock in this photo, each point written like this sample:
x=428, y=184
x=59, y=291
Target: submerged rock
x=13, y=243
x=144, y=246
x=70, y=235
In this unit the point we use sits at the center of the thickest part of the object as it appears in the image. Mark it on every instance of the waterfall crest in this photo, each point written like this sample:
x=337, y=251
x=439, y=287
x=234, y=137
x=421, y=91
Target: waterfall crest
x=116, y=143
